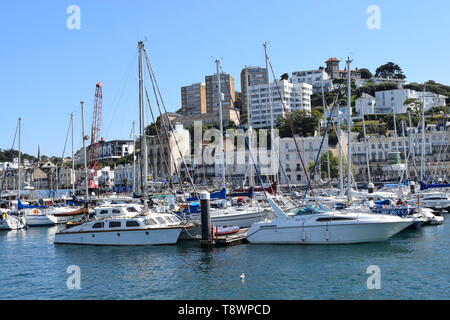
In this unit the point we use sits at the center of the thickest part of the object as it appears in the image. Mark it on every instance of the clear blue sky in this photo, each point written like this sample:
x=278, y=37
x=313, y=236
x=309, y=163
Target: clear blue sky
x=45, y=68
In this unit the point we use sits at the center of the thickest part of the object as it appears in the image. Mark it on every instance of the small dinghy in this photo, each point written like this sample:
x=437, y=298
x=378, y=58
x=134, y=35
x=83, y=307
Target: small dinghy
x=225, y=230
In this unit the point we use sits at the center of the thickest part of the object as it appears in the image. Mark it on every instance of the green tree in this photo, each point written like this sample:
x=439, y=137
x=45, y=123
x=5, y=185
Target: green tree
x=304, y=124
x=284, y=76
x=390, y=70
x=365, y=73
x=334, y=165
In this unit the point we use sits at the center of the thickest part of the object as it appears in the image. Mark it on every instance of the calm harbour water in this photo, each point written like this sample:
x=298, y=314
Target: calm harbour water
x=414, y=265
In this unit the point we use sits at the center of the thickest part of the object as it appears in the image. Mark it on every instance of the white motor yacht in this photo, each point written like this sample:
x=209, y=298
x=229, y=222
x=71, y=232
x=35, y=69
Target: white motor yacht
x=318, y=225
x=435, y=201
x=143, y=229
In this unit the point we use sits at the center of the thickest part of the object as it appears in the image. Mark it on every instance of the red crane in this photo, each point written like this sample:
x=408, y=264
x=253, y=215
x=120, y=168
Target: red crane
x=95, y=135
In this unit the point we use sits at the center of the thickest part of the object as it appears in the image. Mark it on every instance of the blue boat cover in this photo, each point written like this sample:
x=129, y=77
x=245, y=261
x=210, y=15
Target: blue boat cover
x=222, y=194
x=20, y=205
x=424, y=186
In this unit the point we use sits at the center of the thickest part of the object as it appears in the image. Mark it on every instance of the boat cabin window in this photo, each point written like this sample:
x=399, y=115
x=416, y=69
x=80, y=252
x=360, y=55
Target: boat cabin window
x=150, y=221
x=103, y=211
x=307, y=210
x=169, y=220
x=174, y=219
x=97, y=225
x=132, y=223
x=131, y=209
x=161, y=220
x=115, y=224
x=116, y=211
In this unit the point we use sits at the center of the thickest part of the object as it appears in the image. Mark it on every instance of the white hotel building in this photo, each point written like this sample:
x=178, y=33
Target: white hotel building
x=316, y=78
x=294, y=96
x=392, y=101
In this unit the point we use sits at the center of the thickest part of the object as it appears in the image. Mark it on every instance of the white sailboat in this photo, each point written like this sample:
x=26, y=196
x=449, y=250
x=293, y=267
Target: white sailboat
x=37, y=218
x=65, y=214
x=9, y=222
x=127, y=224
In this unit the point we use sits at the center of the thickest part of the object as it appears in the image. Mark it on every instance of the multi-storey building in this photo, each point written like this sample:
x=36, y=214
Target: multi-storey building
x=317, y=78
x=193, y=99
x=251, y=76
x=109, y=151
x=285, y=97
x=393, y=101
x=379, y=147
x=431, y=99
x=334, y=71
x=212, y=92
x=65, y=177
x=164, y=158
x=291, y=169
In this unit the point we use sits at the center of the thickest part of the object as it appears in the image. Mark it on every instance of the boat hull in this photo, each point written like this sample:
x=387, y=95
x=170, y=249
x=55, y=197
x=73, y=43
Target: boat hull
x=12, y=223
x=331, y=234
x=32, y=220
x=141, y=237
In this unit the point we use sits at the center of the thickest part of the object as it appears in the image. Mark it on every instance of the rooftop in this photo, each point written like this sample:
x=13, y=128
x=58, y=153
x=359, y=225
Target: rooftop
x=333, y=59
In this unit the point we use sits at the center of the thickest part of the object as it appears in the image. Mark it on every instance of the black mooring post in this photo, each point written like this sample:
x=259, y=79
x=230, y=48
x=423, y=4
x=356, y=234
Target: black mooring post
x=370, y=190
x=412, y=187
x=206, y=219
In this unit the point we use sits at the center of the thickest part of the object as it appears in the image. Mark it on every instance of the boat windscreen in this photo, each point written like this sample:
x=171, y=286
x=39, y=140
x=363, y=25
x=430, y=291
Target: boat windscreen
x=308, y=210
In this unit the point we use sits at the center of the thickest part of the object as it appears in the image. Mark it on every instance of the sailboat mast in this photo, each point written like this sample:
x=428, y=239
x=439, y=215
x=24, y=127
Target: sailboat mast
x=84, y=150
x=250, y=130
x=19, y=160
x=366, y=140
x=134, y=156
x=266, y=58
x=349, y=130
x=404, y=150
x=72, y=175
x=422, y=161
x=325, y=109
x=219, y=96
x=341, y=177
x=144, y=153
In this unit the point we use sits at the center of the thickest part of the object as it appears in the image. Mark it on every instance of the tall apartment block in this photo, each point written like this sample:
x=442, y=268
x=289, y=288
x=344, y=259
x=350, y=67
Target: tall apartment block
x=200, y=101
x=251, y=76
x=227, y=88
x=193, y=99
